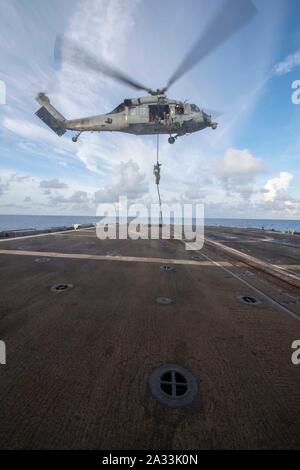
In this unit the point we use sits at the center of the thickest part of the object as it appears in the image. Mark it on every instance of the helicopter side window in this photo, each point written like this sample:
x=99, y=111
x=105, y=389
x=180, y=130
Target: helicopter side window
x=179, y=109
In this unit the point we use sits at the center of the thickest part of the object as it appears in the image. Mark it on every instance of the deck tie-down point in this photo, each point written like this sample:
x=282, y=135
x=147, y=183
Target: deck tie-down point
x=247, y=299
x=61, y=287
x=164, y=300
x=166, y=267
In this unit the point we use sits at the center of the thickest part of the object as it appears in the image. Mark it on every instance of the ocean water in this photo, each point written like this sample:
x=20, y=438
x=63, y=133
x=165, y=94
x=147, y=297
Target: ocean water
x=268, y=224
x=19, y=222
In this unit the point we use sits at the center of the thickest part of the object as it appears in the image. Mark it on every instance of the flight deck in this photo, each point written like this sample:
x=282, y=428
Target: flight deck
x=89, y=324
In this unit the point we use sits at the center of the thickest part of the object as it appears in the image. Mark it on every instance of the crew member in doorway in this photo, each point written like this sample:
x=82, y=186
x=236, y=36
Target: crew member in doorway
x=156, y=172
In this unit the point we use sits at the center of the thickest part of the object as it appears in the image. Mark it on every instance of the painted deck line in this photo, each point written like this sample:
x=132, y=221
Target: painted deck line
x=135, y=259
x=271, y=269
x=243, y=281
x=8, y=239
x=255, y=289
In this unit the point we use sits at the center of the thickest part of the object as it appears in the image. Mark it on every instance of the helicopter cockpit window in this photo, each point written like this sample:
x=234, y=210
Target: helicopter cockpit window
x=195, y=108
x=118, y=109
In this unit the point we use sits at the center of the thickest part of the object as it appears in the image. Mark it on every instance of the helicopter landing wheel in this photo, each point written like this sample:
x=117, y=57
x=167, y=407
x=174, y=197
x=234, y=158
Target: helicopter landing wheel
x=75, y=138
x=171, y=140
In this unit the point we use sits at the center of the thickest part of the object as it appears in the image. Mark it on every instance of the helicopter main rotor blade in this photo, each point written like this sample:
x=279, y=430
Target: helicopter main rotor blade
x=233, y=15
x=80, y=57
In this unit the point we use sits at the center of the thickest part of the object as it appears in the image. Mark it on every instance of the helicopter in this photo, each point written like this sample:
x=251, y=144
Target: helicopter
x=154, y=113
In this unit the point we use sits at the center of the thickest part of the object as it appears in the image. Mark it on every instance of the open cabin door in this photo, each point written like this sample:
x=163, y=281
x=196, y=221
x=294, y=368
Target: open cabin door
x=159, y=113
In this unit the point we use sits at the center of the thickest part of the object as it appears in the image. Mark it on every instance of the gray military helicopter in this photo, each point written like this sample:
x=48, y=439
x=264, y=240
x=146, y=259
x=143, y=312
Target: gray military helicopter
x=154, y=113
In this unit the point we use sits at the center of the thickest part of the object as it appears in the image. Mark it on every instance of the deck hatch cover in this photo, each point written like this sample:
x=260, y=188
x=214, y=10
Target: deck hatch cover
x=248, y=299
x=173, y=385
x=166, y=267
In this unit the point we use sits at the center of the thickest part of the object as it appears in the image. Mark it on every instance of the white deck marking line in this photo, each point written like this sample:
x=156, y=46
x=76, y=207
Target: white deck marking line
x=8, y=239
x=72, y=234
x=258, y=291
x=258, y=264
x=109, y=258
x=243, y=281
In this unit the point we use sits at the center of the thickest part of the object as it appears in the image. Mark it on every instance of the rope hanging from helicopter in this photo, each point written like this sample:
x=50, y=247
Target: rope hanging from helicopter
x=156, y=172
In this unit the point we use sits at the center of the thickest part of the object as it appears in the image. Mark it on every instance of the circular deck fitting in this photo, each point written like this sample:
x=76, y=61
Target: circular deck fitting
x=247, y=299
x=61, y=287
x=163, y=300
x=113, y=253
x=166, y=267
x=42, y=260
x=172, y=385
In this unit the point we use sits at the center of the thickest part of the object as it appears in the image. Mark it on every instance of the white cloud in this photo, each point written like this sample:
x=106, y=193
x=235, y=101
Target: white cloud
x=53, y=184
x=237, y=171
x=99, y=27
x=288, y=64
x=276, y=188
x=78, y=197
x=127, y=180
x=30, y=131
x=3, y=187
x=239, y=163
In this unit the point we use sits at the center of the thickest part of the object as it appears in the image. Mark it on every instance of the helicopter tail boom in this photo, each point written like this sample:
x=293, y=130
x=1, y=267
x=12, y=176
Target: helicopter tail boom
x=49, y=115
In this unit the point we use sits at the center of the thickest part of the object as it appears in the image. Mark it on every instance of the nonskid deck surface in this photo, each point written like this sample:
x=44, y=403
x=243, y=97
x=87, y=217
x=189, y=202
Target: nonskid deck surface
x=79, y=360
x=272, y=247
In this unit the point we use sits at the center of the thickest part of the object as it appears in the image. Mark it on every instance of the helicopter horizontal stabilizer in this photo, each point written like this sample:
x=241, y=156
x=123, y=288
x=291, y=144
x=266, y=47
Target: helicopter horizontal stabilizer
x=50, y=116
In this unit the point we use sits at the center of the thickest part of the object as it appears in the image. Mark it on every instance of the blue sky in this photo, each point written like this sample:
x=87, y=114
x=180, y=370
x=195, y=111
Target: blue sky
x=248, y=167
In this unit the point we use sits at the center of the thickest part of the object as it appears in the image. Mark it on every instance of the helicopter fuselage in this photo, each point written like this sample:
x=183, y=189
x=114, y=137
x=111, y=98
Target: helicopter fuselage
x=147, y=115
x=139, y=116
